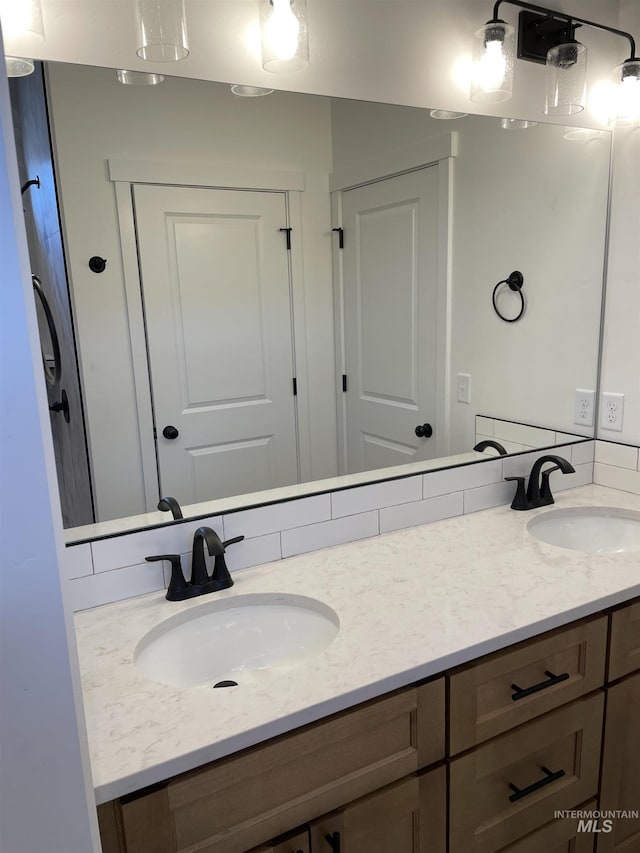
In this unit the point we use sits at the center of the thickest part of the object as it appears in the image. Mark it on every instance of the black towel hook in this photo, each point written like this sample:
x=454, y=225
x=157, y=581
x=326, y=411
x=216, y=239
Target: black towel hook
x=514, y=282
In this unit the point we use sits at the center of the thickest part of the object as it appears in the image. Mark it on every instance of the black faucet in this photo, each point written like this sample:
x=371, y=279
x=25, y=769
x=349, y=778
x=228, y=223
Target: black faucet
x=538, y=492
x=200, y=584
x=170, y=504
x=489, y=442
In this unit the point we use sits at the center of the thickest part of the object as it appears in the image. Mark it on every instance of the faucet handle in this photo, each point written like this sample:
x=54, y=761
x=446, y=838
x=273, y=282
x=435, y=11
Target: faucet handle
x=232, y=541
x=545, y=487
x=178, y=587
x=520, y=499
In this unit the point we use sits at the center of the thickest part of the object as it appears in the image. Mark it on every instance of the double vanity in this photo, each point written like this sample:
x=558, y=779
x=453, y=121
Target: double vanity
x=457, y=681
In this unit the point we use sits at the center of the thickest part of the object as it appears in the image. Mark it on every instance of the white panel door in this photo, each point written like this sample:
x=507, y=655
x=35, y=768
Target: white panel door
x=390, y=292
x=215, y=282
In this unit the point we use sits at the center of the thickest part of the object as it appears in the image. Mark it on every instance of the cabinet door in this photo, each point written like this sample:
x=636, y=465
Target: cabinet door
x=620, y=788
x=407, y=817
x=296, y=843
x=624, y=653
x=510, y=786
x=563, y=835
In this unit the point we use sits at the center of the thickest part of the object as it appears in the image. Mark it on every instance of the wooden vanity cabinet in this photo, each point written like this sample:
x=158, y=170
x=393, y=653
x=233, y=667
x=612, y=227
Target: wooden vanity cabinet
x=624, y=648
x=406, y=817
x=620, y=786
x=297, y=842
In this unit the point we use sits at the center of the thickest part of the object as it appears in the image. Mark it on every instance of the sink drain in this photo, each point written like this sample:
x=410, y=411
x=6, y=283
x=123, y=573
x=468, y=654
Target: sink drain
x=226, y=684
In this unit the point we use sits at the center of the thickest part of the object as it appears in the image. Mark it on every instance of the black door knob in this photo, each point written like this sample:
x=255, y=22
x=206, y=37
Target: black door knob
x=170, y=432
x=424, y=430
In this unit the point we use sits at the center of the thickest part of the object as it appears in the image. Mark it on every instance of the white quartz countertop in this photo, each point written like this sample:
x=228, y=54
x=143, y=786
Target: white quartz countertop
x=411, y=604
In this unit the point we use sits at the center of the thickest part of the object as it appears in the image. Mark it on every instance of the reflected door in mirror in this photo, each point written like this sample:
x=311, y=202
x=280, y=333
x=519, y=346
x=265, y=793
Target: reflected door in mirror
x=390, y=292
x=215, y=282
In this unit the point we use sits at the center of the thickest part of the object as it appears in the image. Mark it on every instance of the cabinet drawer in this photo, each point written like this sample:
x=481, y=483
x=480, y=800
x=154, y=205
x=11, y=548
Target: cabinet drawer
x=496, y=795
x=484, y=698
x=559, y=836
x=295, y=843
x=240, y=802
x=624, y=654
x=406, y=817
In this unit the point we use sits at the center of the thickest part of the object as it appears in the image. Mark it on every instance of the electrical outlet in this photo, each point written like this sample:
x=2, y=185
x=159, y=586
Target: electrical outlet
x=611, y=411
x=584, y=401
x=464, y=387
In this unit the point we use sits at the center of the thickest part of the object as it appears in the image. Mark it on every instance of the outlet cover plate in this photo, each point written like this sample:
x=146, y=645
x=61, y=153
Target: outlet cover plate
x=611, y=411
x=584, y=403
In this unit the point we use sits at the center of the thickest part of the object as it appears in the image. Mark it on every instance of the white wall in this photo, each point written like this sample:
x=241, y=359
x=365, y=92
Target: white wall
x=526, y=200
x=188, y=122
x=621, y=353
x=46, y=797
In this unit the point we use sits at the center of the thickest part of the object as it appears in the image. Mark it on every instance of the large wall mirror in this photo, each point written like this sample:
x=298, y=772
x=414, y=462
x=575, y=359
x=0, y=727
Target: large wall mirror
x=189, y=339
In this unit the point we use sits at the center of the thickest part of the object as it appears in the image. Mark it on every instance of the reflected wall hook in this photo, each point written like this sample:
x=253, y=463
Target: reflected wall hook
x=34, y=182
x=514, y=282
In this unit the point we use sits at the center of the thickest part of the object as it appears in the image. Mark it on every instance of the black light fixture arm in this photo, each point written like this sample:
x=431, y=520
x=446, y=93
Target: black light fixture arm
x=571, y=20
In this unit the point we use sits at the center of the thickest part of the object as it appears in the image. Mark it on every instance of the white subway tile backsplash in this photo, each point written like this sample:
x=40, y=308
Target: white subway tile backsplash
x=582, y=453
x=420, y=512
x=328, y=533
x=484, y=426
x=131, y=548
x=449, y=480
x=620, y=455
x=253, y=552
x=617, y=478
x=364, y=498
x=520, y=466
x=282, y=516
x=94, y=590
x=523, y=434
x=486, y=497
x=77, y=561
x=583, y=475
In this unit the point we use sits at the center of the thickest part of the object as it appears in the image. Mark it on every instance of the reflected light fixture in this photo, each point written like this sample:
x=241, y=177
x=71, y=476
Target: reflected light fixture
x=249, y=91
x=161, y=30
x=548, y=36
x=21, y=18
x=138, y=78
x=284, y=35
x=517, y=124
x=446, y=114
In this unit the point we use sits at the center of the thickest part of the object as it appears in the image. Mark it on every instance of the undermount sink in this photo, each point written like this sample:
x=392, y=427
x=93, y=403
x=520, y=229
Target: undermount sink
x=593, y=530
x=236, y=641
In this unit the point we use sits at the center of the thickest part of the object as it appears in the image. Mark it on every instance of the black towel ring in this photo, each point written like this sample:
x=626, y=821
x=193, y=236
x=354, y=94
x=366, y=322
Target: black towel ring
x=514, y=282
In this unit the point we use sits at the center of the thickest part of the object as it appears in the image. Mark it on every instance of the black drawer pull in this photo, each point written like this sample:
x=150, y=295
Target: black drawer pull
x=552, y=679
x=333, y=841
x=519, y=793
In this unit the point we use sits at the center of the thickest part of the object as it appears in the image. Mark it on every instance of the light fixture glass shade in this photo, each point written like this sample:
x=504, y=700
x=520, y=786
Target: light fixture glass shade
x=583, y=134
x=249, y=91
x=493, y=60
x=625, y=101
x=138, y=78
x=21, y=18
x=516, y=124
x=161, y=30
x=566, y=79
x=284, y=35
x=446, y=114
x=19, y=66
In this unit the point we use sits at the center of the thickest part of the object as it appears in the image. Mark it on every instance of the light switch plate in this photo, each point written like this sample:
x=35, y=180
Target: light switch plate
x=463, y=385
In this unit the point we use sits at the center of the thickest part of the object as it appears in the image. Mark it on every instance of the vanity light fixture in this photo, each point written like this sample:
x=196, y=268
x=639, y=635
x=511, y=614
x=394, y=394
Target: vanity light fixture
x=21, y=18
x=161, y=30
x=249, y=91
x=446, y=114
x=516, y=124
x=138, y=78
x=548, y=36
x=284, y=35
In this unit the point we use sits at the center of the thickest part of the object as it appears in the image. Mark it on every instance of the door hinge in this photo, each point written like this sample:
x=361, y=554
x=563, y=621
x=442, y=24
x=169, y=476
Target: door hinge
x=340, y=237
x=344, y=381
x=288, y=233
x=295, y=387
